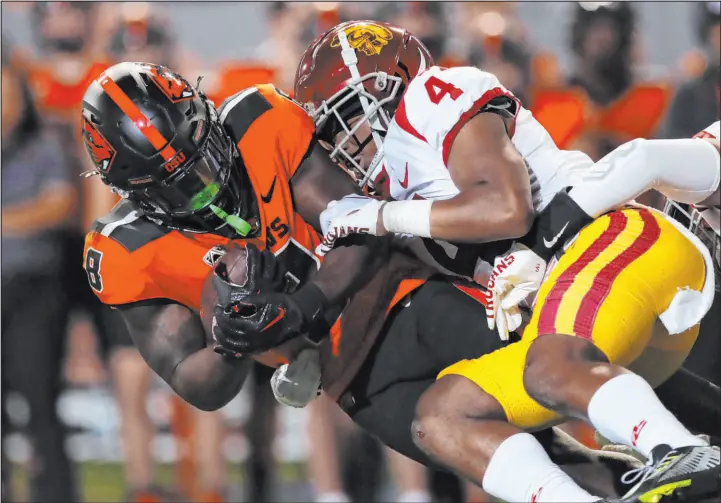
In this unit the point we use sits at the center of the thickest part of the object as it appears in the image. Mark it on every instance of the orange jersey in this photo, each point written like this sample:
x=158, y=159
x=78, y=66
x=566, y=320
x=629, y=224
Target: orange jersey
x=130, y=258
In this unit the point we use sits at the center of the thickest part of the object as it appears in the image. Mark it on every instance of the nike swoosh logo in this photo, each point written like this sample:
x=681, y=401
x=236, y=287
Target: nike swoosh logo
x=280, y=316
x=499, y=107
x=553, y=241
x=266, y=198
x=404, y=182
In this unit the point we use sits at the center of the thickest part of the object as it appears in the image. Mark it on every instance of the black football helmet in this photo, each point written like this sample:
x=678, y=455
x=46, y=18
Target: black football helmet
x=157, y=140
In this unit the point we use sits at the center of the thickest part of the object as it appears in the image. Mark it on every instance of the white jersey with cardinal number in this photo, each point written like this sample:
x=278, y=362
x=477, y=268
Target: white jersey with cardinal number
x=433, y=109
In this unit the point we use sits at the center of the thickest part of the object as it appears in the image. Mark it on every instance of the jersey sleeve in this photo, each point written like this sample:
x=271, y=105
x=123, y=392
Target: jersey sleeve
x=713, y=131
x=267, y=125
x=439, y=102
x=114, y=276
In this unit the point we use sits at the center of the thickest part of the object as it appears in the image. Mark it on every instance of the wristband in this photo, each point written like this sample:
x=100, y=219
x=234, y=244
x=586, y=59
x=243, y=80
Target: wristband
x=408, y=217
x=312, y=302
x=562, y=219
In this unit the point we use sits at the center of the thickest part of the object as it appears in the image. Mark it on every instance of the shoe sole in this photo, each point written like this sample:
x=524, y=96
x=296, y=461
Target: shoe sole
x=706, y=485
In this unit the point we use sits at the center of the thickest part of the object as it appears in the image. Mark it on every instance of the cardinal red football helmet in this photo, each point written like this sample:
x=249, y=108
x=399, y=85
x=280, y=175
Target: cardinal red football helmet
x=358, y=69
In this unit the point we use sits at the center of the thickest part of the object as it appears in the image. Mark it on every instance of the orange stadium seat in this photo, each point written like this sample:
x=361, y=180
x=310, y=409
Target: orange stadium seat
x=567, y=113
x=232, y=78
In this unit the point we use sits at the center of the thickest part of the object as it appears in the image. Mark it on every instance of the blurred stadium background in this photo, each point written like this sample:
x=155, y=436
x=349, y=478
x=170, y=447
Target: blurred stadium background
x=595, y=74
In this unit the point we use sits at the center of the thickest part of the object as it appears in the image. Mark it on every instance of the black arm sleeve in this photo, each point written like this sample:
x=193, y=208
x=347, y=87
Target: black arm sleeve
x=317, y=182
x=171, y=339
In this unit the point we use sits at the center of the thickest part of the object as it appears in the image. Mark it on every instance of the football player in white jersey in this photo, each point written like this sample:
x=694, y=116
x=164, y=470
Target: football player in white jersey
x=465, y=163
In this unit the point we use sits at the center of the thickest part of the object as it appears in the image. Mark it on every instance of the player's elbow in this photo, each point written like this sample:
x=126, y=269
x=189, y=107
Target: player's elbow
x=208, y=406
x=520, y=219
x=516, y=216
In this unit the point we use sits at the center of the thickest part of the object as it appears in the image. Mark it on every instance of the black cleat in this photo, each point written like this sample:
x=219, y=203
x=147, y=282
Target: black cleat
x=687, y=474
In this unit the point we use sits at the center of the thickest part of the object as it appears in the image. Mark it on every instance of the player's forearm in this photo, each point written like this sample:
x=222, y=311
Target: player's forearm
x=476, y=215
x=171, y=339
x=346, y=267
x=209, y=381
x=685, y=170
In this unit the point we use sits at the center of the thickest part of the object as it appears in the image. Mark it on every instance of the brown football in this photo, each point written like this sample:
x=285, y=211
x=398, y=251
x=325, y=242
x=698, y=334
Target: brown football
x=235, y=260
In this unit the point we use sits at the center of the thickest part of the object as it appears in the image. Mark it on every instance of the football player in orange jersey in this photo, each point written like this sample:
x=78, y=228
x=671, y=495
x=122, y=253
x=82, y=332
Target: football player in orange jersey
x=195, y=182
x=141, y=33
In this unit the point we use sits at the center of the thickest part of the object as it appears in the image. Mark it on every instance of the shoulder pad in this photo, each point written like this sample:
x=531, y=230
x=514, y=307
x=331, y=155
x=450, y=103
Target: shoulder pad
x=440, y=101
x=113, y=274
x=116, y=275
x=268, y=127
x=126, y=226
x=238, y=112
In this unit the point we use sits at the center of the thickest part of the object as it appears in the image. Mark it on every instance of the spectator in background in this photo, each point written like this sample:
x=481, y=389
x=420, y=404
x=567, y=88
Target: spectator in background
x=697, y=102
x=601, y=40
x=37, y=198
x=142, y=36
x=425, y=20
x=284, y=45
x=507, y=59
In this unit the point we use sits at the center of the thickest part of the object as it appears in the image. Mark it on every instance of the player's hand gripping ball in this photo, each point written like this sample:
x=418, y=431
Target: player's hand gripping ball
x=242, y=271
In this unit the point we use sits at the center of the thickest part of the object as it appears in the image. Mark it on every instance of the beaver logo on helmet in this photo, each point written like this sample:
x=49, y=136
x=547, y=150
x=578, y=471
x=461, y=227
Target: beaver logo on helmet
x=172, y=85
x=101, y=152
x=367, y=38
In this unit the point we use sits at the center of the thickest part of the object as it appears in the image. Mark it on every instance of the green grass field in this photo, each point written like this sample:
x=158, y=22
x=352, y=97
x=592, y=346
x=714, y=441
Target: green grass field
x=104, y=482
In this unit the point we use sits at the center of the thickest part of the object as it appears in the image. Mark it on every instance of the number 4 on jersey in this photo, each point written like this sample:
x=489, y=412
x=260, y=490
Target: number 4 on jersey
x=437, y=89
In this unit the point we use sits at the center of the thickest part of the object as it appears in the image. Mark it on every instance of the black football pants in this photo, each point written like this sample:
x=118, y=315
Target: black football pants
x=441, y=326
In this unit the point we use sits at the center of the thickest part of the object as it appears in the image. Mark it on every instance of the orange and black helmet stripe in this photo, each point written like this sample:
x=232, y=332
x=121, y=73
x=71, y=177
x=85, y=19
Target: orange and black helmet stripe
x=130, y=109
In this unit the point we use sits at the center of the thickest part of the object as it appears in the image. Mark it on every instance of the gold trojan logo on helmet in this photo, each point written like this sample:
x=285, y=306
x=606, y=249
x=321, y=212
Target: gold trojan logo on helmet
x=368, y=38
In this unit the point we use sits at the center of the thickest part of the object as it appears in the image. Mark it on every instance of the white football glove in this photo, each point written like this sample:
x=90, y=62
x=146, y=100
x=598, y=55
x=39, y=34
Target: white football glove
x=297, y=383
x=351, y=215
x=516, y=275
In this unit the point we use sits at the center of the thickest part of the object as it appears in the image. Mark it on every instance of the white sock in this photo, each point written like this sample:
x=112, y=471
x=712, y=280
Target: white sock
x=332, y=497
x=521, y=471
x=626, y=410
x=414, y=496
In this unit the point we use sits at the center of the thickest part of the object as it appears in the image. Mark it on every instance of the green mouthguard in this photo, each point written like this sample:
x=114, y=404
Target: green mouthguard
x=204, y=197
x=241, y=226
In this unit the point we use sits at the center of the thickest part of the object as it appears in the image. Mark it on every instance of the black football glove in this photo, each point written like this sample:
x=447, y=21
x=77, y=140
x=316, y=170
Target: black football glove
x=264, y=274
x=262, y=321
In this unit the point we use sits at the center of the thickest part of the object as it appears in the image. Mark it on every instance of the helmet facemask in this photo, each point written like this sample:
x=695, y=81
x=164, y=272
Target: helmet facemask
x=205, y=193
x=333, y=115
x=333, y=119
x=696, y=221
